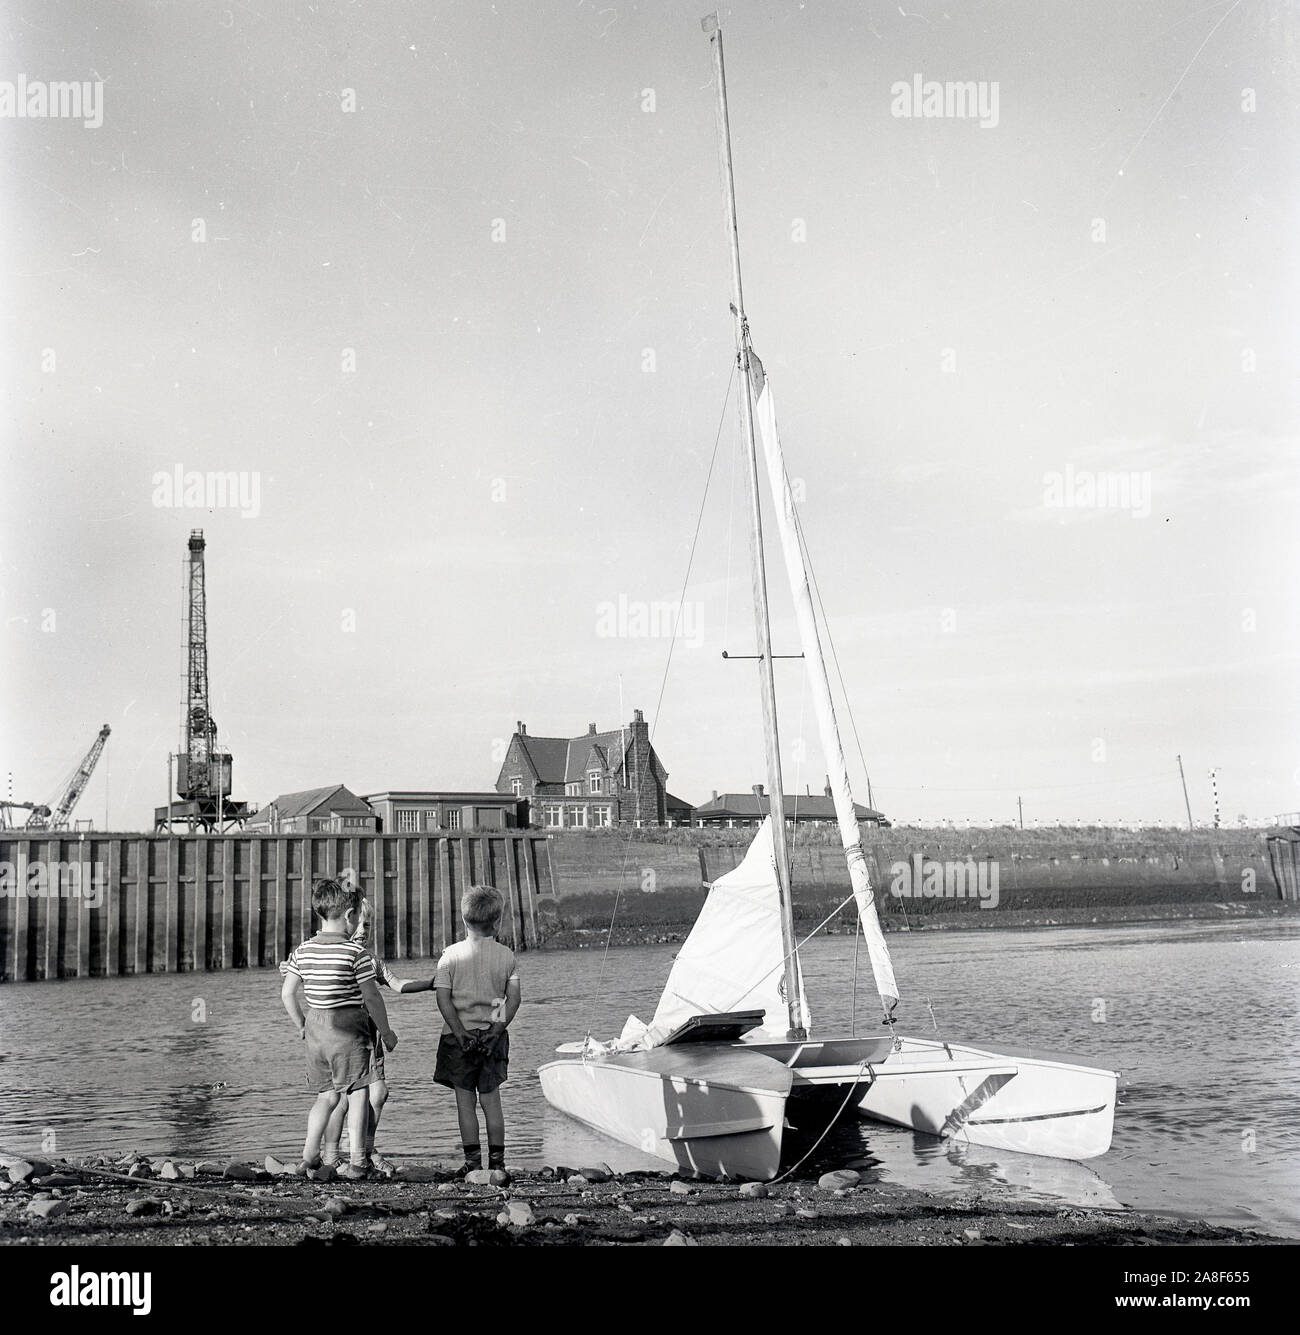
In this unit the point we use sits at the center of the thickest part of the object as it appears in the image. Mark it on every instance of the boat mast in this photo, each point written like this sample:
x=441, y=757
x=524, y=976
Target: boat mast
x=776, y=798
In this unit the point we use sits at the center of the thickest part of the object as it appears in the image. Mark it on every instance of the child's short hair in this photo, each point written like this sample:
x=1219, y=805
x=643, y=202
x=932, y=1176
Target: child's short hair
x=329, y=899
x=482, y=906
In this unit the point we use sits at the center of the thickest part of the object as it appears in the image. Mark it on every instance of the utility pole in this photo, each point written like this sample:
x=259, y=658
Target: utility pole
x=1020, y=805
x=1214, y=789
x=1186, y=800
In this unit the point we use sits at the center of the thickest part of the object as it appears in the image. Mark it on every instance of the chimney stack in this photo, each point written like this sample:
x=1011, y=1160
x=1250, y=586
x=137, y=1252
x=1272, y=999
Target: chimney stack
x=758, y=788
x=521, y=730
x=829, y=792
x=638, y=716
x=715, y=794
x=591, y=729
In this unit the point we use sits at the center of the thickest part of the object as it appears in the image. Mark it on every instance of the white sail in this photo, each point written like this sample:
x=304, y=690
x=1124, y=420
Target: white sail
x=733, y=958
x=859, y=876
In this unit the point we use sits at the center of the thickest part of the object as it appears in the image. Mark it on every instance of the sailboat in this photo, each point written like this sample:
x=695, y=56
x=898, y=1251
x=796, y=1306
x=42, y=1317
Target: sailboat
x=730, y=1058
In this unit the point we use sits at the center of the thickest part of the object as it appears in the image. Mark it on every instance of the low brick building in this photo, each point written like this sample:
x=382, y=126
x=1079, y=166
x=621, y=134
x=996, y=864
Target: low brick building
x=589, y=782
x=331, y=810
x=443, y=812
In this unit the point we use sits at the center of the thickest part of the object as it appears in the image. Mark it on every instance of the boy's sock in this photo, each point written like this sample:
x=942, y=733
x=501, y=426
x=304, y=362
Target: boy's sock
x=496, y=1156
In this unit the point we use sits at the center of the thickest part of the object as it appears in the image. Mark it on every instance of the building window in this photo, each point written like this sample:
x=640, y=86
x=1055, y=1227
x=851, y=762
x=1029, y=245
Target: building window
x=577, y=818
x=573, y=789
x=517, y=787
x=601, y=817
x=453, y=820
x=554, y=817
x=593, y=781
x=408, y=820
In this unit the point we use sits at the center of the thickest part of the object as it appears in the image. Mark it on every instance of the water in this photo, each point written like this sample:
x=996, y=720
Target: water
x=1200, y=1019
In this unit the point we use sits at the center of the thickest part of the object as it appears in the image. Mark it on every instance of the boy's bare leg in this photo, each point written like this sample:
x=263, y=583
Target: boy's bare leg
x=467, y=1116
x=378, y=1097
x=317, y=1120
x=496, y=1128
x=329, y=1150
x=358, y=1116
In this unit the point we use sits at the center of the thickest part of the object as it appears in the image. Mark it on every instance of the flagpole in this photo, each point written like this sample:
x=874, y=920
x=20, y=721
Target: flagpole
x=776, y=797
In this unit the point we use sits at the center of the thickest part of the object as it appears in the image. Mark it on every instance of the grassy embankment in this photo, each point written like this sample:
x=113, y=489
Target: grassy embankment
x=1045, y=877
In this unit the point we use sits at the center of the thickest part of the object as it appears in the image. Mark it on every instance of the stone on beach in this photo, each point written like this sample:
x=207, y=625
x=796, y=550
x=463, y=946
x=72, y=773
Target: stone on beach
x=842, y=1179
x=602, y=1173
x=169, y=1171
x=754, y=1190
x=147, y=1205
x=519, y=1214
x=480, y=1177
x=139, y=1169
x=679, y=1188
x=278, y=1169
x=23, y=1170
x=58, y=1180
x=498, y=1177
x=679, y=1239
x=47, y=1208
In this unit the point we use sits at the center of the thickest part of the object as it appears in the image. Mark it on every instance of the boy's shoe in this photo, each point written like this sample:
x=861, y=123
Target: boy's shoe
x=384, y=1167
x=351, y=1172
x=305, y=1169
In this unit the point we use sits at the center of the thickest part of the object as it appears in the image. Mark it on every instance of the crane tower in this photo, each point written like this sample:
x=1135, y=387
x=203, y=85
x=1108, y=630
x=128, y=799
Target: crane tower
x=203, y=769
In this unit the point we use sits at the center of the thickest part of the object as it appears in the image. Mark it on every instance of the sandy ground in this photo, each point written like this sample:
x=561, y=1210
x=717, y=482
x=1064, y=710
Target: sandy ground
x=94, y=1203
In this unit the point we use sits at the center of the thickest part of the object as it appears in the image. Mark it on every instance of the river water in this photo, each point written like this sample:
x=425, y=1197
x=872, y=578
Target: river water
x=1201, y=1020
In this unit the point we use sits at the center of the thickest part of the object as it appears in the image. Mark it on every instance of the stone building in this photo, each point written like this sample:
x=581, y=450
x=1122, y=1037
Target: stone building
x=589, y=782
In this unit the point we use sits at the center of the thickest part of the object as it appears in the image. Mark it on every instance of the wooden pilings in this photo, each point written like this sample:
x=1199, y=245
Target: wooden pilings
x=100, y=905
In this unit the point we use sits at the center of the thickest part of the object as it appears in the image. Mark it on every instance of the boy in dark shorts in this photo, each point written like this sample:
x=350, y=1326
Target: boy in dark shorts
x=477, y=986
x=331, y=995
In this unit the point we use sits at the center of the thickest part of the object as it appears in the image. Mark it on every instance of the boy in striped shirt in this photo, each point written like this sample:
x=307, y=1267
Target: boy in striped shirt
x=335, y=977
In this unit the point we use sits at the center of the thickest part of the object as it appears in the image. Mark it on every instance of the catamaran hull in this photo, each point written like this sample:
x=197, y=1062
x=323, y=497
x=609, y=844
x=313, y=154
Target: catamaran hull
x=1032, y=1105
x=678, y=1110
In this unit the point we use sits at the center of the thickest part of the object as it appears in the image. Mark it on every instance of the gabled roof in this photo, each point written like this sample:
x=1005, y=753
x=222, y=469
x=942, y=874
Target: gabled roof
x=334, y=798
x=609, y=744
x=564, y=759
x=746, y=806
x=547, y=756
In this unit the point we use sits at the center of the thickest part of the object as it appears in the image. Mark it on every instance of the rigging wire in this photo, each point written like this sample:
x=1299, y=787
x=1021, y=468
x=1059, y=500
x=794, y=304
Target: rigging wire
x=690, y=560
x=654, y=723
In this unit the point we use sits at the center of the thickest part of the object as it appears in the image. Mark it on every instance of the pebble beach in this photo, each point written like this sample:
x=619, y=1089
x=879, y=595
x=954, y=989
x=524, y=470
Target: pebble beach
x=137, y=1201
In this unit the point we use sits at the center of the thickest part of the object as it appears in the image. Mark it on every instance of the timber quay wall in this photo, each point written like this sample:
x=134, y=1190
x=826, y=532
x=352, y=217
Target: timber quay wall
x=76, y=905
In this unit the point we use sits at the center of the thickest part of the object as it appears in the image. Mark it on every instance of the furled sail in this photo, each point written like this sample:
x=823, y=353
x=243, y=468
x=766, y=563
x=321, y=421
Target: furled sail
x=783, y=503
x=733, y=959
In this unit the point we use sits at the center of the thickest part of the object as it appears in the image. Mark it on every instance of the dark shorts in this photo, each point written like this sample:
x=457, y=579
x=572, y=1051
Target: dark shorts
x=378, y=1044
x=481, y=1070
x=340, y=1049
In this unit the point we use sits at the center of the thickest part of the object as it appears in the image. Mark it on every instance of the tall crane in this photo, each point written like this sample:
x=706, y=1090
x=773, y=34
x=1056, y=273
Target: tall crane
x=46, y=818
x=203, y=770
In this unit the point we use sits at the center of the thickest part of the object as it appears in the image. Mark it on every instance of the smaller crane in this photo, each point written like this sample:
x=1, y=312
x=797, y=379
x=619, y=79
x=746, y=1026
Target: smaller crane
x=56, y=818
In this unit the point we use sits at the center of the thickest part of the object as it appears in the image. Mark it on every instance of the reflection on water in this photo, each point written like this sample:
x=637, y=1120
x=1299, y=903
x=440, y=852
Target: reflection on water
x=1200, y=1020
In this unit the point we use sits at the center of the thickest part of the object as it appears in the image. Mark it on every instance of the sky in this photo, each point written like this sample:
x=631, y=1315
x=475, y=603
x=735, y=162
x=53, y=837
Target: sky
x=446, y=286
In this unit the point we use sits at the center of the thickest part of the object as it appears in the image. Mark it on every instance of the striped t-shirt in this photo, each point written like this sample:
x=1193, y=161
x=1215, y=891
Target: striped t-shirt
x=332, y=969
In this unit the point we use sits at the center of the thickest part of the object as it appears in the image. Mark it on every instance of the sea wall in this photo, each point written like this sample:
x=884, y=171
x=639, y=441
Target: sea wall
x=85, y=905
